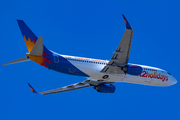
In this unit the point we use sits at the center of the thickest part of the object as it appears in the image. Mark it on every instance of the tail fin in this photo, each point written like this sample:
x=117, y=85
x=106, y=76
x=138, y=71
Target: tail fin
x=29, y=37
x=37, y=51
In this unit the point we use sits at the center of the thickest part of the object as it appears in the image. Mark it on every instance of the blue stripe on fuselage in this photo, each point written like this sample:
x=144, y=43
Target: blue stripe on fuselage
x=60, y=64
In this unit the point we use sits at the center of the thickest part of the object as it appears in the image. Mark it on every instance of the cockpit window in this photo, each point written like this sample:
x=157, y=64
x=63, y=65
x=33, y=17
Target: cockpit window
x=169, y=73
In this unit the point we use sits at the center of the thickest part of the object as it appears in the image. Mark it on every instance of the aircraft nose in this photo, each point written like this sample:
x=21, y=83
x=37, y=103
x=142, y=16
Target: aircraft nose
x=174, y=81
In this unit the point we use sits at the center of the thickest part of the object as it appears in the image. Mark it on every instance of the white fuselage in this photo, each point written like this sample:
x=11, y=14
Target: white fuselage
x=149, y=76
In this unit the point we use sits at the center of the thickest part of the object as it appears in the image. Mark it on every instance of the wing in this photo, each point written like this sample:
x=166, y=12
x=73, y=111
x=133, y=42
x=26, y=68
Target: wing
x=84, y=84
x=121, y=55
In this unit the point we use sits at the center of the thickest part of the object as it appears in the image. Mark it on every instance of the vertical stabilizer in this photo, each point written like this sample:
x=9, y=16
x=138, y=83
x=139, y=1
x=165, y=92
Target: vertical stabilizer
x=37, y=51
x=29, y=37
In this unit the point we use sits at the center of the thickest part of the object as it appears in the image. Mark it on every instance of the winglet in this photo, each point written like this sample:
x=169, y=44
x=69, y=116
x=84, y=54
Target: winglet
x=32, y=89
x=127, y=23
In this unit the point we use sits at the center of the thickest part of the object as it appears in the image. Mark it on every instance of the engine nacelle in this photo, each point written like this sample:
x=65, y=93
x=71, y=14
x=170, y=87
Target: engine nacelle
x=134, y=70
x=105, y=88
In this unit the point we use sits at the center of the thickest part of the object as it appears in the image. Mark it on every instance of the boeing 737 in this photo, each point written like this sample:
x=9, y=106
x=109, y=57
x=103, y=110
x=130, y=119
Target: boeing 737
x=101, y=74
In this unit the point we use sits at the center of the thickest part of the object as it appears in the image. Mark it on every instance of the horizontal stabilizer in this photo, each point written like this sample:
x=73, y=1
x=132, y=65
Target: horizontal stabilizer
x=17, y=61
x=38, y=47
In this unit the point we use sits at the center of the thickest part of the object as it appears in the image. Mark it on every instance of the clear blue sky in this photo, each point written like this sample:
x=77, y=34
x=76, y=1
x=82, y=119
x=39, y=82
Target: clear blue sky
x=92, y=29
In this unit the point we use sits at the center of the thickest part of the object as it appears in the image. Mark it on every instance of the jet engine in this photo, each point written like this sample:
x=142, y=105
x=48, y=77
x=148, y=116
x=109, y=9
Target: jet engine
x=132, y=69
x=105, y=88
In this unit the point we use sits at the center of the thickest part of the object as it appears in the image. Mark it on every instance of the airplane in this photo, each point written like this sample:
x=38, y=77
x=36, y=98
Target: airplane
x=101, y=74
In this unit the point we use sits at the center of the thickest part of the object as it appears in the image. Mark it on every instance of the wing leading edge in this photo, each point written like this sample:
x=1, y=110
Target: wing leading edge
x=121, y=55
